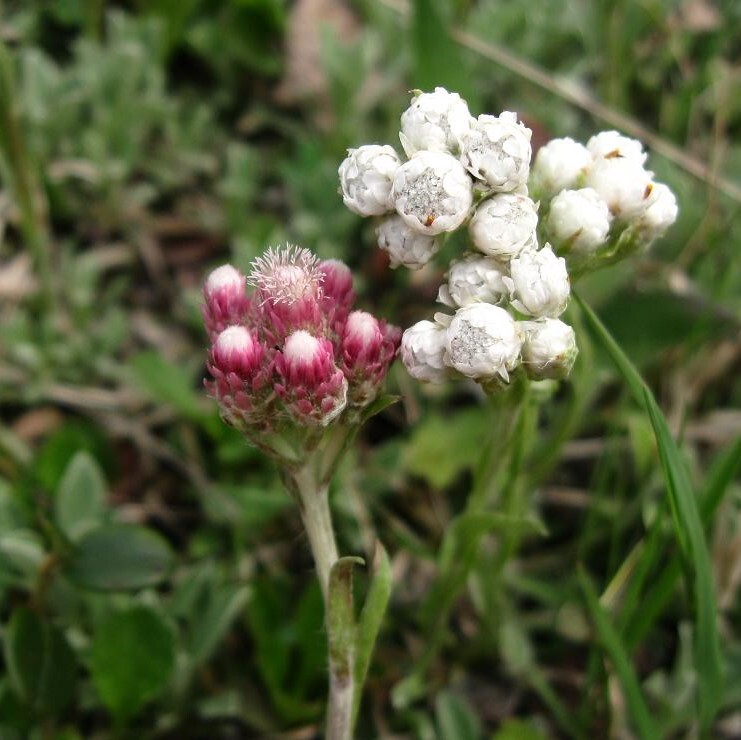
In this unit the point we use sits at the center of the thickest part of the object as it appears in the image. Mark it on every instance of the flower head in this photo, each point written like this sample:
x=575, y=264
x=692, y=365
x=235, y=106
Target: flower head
x=368, y=347
x=423, y=352
x=435, y=122
x=365, y=179
x=404, y=245
x=226, y=300
x=312, y=387
x=613, y=145
x=505, y=225
x=496, y=149
x=548, y=350
x=623, y=184
x=475, y=279
x=483, y=342
x=558, y=165
x=578, y=221
x=432, y=193
x=541, y=283
x=660, y=213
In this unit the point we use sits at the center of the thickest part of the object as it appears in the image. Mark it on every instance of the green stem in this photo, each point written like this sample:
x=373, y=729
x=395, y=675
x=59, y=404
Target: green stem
x=313, y=501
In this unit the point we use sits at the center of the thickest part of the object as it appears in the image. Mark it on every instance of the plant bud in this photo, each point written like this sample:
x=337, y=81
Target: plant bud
x=365, y=179
x=368, y=347
x=475, y=279
x=505, y=225
x=623, y=184
x=613, y=145
x=558, y=165
x=482, y=342
x=226, y=300
x=541, y=283
x=497, y=150
x=423, y=350
x=404, y=245
x=432, y=193
x=313, y=388
x=578, y=221
x=548, y=350
x=434, y=122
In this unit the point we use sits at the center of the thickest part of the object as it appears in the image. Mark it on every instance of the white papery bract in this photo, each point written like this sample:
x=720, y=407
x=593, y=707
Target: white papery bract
x=483, y=341
x=660, y=213
x=548, y=349
x=505, y=225
x=578, y=221
x=541, y=283
x=475, y=279
x=423, y=352
x=366, y=175
x=497, y=150
x=432, y=192
x=434, y=122
x=404, y=245
x=623, y=184
x=612, y=145
x=559, y=164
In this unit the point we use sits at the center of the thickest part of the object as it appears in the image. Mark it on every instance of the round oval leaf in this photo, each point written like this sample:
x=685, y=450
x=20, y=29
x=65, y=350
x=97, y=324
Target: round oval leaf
x=119, y=557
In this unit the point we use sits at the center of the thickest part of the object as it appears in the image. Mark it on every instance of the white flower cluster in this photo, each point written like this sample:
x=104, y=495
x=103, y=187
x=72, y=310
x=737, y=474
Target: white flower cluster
x=453, y=160
x=599, y=202
x=467, y=171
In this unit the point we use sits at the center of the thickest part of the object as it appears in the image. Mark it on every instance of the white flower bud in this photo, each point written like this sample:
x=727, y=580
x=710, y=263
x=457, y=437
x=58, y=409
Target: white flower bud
x=432, y=192
x=497, y=150
x=548, y=350
x=423, y=350
x=578, y=221
x=558, y=165
x=660, y=214
x=475, y=279
x=623, y=184
x=612, y=145
x=505, y=225
x=541, y=283
x=483, y=341
x=366, y=175
x=434, y=122
x=404, y=245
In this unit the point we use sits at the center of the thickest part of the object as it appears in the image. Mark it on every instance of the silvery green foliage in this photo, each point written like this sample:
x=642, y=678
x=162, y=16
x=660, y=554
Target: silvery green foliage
x=594, y=203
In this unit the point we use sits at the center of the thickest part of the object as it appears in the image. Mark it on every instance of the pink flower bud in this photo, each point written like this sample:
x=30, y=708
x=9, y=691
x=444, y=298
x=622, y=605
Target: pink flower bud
x=312, y=387
x=337, y=291
x=289, y=291
x=237, y=363
x=368, y=347
x=227, y=302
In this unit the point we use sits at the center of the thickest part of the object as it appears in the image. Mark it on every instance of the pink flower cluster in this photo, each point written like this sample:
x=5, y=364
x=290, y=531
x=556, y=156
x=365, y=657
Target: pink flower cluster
x=293, y=352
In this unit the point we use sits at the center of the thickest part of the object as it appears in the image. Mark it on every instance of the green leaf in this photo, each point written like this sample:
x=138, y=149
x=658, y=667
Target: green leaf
x=169, y=383
x=442, y=448
x=116, y=557
x=132, y=659
x=618, y=655
x=79, y=504
x=687, y=526
x=40, y=663
x=519, y=729
x=437, y=59
x=224, y=606
x=341, y=628
x=371, y=618
x=455, y=718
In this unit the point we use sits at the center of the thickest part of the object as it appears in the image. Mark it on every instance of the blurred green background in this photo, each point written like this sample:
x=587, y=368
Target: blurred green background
x=154, y=579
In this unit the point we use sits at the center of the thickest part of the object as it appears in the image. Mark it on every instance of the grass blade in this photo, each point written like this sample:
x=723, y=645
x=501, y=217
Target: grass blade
x=610, y=640
x=687, y=526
